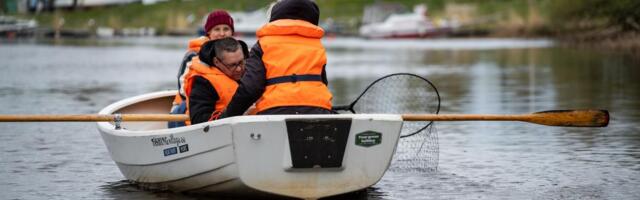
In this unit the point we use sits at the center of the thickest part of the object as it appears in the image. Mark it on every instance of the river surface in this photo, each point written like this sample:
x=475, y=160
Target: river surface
x=477, y=160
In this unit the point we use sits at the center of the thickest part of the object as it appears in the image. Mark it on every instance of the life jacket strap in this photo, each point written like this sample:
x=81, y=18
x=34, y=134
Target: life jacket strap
x=293, y=79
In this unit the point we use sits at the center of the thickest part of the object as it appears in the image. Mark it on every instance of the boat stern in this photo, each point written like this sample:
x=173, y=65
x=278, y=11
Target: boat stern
x=314, y=156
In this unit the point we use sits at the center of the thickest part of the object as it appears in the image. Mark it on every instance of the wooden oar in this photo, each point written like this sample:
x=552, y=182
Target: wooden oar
x=572, y=118
x=92, y=118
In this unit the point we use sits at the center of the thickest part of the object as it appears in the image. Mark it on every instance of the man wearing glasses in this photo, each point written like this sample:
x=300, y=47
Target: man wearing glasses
x=212, y=78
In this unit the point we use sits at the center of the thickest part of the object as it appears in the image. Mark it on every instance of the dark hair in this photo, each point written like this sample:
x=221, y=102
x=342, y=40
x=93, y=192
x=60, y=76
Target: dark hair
x=227, y=44
x=245, y=49
x=296, y=9
x=215, y=48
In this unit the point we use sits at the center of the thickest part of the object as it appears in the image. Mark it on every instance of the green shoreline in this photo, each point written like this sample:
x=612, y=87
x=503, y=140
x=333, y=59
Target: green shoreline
x=492, y=18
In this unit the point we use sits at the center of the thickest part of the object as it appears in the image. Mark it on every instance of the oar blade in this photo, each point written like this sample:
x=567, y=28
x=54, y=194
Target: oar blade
x=572, y=118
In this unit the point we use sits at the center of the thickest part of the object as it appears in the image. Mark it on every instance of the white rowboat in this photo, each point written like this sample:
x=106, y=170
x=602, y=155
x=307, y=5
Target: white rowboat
x=302, y=156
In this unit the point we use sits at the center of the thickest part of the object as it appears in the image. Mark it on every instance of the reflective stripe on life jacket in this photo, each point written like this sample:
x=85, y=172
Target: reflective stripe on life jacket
x=294, y=58
x=224, y=86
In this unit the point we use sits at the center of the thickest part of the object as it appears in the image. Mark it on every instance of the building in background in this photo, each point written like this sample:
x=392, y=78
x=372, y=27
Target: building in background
x=49, y=5
x=13, y=6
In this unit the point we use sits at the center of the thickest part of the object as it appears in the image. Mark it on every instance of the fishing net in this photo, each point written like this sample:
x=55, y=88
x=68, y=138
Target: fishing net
x=406, y=94
x=419, y=152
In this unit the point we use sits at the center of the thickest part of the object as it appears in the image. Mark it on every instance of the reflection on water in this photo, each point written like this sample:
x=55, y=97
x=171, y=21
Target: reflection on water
x=479, y=160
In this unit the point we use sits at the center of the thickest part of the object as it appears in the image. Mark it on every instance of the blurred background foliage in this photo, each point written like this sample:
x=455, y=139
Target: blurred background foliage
x=624, y=14
x=578, y=20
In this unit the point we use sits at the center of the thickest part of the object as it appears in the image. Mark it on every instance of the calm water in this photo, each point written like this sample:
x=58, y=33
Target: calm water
x=477, y=160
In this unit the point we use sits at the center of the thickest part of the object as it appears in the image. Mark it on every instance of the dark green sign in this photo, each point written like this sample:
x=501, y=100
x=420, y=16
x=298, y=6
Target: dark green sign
x=368, y=138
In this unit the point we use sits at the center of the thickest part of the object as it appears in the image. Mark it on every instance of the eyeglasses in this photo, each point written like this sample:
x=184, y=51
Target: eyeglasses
x=233, y=66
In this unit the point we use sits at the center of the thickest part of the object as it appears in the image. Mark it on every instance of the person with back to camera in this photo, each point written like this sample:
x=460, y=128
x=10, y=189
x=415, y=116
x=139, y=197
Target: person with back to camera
x=285, y=72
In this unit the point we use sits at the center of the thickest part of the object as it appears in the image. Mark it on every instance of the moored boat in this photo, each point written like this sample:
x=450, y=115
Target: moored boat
x=247, y=23
x=406, y=25
x=301, y=156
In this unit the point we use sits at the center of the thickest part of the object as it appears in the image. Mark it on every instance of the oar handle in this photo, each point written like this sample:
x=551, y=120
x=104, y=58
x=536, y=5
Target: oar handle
x=92, y=118
x=571, y=118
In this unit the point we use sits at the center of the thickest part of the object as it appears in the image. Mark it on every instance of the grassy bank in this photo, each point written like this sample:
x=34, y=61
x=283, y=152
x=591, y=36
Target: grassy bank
x=164, y=17
x=597, y=22
x=180, y=14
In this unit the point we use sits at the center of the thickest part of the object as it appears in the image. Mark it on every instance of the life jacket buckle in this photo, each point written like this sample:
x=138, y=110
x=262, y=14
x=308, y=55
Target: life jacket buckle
x=294, y=78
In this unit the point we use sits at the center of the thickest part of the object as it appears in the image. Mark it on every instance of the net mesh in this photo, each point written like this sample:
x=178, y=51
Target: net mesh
x=420, y=152
x=406, y=94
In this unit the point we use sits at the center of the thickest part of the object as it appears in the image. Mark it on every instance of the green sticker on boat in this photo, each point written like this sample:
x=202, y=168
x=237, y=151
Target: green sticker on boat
x=368, y=138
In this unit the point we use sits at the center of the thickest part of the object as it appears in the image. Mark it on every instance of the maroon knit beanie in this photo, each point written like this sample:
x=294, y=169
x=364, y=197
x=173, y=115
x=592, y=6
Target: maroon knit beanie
x=218, y=17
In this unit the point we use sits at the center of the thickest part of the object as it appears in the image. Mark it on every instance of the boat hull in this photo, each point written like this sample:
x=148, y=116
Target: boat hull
x=251, y=155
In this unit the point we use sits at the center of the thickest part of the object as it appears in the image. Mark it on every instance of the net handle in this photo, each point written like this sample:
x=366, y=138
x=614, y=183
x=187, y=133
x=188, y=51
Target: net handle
x=352, y=104
x=350, y=107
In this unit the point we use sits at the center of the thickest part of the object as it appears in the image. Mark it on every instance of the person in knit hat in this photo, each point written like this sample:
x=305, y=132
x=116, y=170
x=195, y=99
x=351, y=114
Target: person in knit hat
x=218, y=25
x=285, y=72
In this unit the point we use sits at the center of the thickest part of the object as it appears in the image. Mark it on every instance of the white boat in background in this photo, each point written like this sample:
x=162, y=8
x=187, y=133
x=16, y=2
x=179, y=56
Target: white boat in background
x=301, y=156
x=247, y=23
x=10, y=24
x=407, y=25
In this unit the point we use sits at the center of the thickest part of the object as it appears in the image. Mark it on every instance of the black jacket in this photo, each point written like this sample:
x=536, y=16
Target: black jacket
x=202, y=100
x=252, y=85
x=204, y=96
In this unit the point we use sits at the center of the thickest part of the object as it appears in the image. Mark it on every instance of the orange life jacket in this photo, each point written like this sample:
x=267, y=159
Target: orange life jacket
x=194, y=46
x=224, y=86
x=294, y=58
